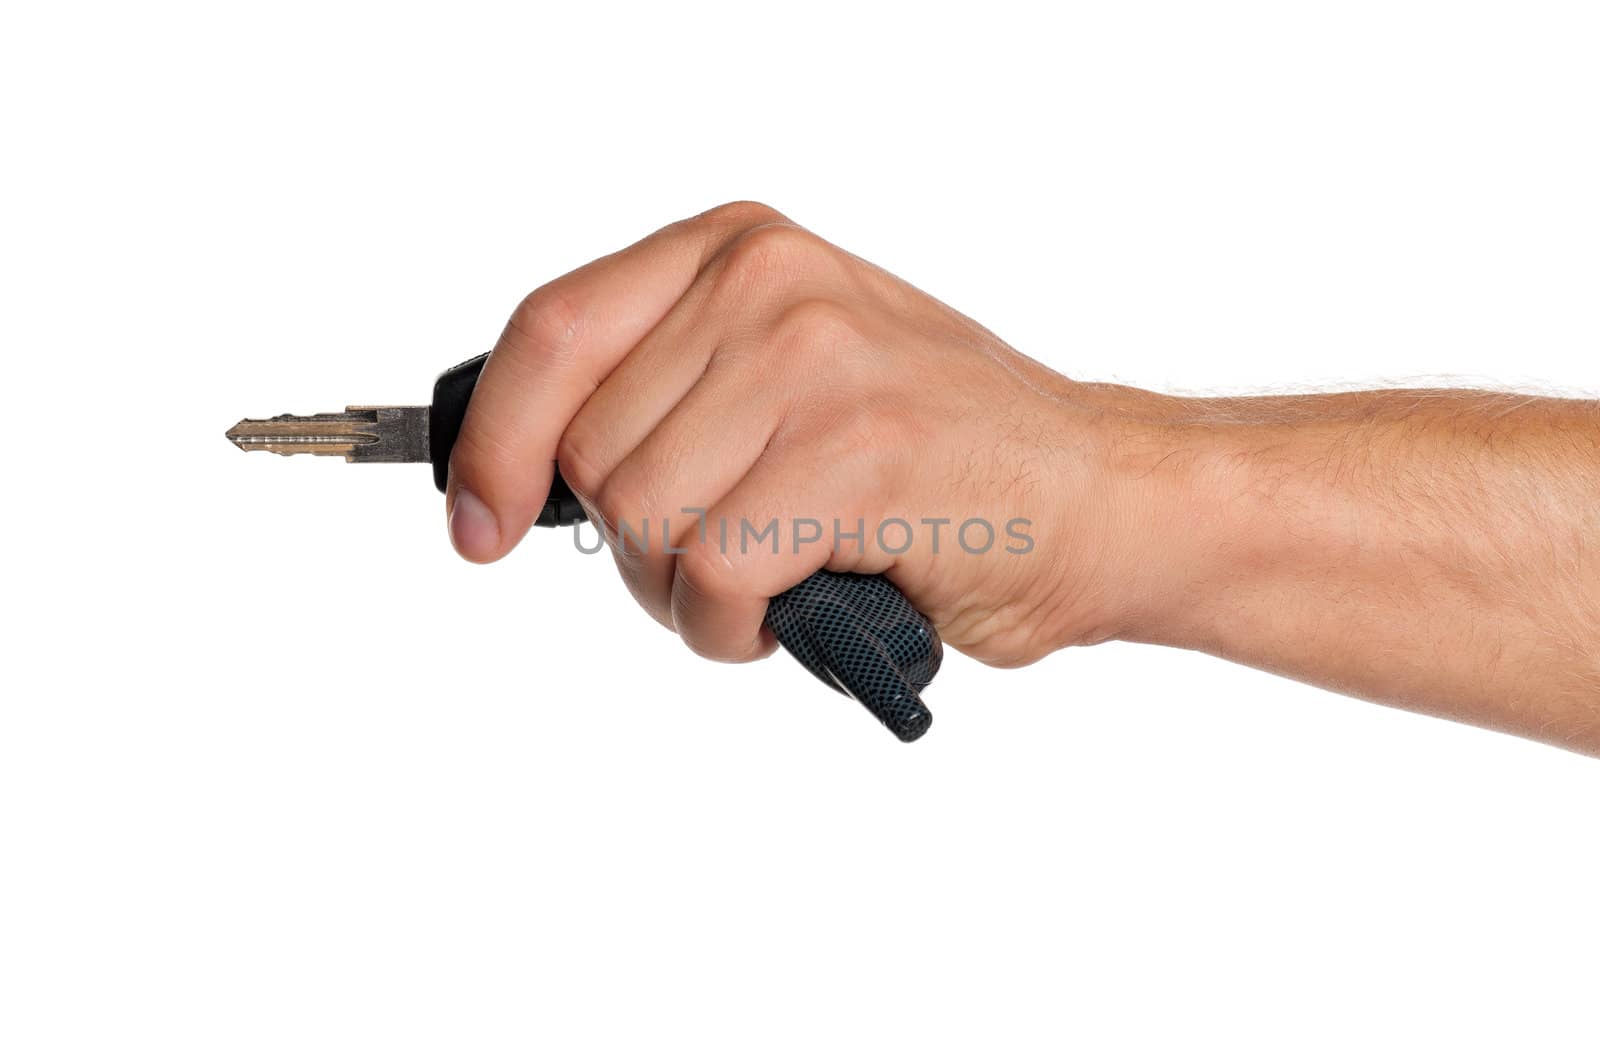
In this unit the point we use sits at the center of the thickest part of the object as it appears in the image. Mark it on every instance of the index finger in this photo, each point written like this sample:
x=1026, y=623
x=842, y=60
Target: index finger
x=560, y=343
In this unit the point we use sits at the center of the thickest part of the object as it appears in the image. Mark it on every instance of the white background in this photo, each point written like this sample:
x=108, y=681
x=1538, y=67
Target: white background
x=281, y=778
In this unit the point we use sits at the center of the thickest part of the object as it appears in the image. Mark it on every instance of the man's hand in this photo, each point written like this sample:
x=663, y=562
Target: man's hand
x=778, y=406
x=738, y=365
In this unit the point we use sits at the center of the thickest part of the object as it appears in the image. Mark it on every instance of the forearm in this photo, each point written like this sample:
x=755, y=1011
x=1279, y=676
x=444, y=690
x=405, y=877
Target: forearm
x=1436, y=550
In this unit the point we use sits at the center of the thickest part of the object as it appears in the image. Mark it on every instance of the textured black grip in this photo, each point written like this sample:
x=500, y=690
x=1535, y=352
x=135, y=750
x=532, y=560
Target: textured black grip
x=858, y=634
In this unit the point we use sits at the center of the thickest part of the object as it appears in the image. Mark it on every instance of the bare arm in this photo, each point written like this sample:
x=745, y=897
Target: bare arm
x=1436, y=550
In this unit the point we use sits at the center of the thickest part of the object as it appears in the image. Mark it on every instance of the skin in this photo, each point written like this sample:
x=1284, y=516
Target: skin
x=1433, y=550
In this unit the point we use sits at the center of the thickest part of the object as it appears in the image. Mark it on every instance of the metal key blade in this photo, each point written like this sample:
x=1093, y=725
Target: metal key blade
x=360, y=433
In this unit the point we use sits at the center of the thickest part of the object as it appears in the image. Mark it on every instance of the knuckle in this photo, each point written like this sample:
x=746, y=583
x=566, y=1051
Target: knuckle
x=704, y=575
x=816, y=326
x=575, y=458
x=702, y=580
x=768, y=255
x=740, y=214
x=619, y=500
x=545, y=325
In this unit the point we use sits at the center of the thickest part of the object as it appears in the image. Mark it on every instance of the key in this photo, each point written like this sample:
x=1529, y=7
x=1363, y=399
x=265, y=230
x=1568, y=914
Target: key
x=394, y=434
x=360, y=433
x=857, y=634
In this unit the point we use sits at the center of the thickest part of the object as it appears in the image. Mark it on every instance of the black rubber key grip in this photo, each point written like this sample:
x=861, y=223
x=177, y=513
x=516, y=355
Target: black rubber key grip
x=858, y=634
x=451, y=393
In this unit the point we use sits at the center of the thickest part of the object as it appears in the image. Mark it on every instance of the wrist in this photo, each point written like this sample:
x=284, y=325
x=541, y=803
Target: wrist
x=1201, y=508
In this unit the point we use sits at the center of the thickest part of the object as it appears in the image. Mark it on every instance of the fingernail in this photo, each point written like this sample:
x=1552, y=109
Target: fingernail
x=473, y=530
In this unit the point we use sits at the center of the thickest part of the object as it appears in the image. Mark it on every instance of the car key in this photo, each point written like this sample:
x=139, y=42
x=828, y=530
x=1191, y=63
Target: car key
x=856, y=633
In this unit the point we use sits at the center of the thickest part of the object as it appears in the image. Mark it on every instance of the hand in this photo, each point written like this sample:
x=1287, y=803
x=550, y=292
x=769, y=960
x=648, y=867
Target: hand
x=735, y=364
